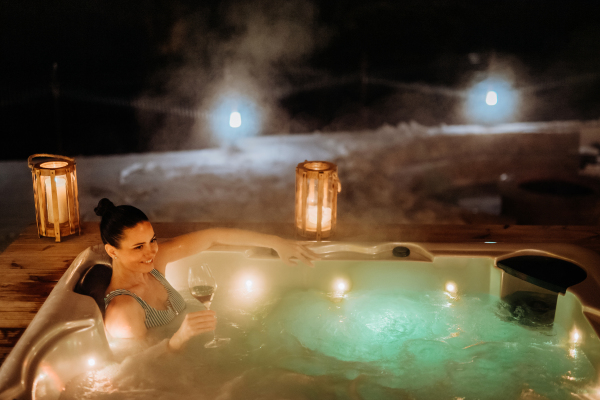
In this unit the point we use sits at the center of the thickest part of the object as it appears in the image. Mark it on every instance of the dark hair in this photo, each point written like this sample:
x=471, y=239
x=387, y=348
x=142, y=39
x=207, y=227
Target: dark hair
x=116, y=219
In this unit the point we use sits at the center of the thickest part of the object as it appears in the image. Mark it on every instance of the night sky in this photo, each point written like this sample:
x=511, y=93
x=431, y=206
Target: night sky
x=102, y=77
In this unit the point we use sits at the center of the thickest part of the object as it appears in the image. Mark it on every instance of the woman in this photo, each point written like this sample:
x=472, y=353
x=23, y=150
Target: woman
x=139, y=297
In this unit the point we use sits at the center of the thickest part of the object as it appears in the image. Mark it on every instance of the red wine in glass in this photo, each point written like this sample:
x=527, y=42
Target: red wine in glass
x=202, y=286
x=203, y=293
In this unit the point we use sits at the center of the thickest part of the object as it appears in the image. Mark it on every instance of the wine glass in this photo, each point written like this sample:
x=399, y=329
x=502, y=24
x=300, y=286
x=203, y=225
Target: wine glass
x=202, y=286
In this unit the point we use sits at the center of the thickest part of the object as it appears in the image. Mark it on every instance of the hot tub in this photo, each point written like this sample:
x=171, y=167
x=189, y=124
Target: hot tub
x=66, y=339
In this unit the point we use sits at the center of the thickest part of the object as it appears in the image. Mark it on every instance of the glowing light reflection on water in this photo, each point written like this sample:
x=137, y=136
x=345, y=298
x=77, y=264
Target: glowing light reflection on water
x=371, y=345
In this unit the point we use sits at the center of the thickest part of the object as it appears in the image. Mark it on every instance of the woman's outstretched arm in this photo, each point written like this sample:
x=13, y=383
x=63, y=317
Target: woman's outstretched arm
x=195, y=242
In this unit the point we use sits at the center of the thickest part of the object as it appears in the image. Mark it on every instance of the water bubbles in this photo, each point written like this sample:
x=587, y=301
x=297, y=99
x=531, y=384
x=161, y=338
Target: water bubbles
x=573, y=352
x=383, y=344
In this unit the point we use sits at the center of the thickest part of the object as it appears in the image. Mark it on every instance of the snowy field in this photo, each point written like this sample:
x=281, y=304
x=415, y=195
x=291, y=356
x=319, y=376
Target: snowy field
x=403, y=174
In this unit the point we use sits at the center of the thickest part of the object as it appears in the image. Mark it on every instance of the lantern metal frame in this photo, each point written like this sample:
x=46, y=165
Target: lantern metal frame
x=317, y=186
x=49, y=221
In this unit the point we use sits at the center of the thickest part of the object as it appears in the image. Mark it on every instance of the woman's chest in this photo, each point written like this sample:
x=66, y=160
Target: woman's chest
x=154, y=294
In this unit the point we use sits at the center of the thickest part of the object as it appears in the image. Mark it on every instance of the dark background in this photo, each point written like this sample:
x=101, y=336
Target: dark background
x=73, y=73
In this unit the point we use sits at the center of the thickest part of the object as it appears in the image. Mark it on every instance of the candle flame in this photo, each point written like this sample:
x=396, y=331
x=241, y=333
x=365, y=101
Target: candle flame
x=312, y=218
x=54, y=164
x=61, y=194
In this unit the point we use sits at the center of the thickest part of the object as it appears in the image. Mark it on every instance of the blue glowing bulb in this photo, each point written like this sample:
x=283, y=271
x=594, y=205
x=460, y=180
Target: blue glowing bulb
x=235, y=120
x=491, y=98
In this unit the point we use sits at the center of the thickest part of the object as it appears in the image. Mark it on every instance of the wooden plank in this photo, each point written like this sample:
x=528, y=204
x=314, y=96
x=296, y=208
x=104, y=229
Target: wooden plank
x=5, y=351
x=14, y=323
x=7, y=305
x=18, y=315
x=9, y=336
x=33, y=275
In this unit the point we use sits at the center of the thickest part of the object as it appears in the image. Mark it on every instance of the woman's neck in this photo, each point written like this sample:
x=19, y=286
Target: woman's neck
x=125, y=278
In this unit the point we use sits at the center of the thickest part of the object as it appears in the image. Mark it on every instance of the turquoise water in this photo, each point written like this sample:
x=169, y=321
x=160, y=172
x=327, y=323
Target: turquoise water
x=371, y=345
x=428, y=344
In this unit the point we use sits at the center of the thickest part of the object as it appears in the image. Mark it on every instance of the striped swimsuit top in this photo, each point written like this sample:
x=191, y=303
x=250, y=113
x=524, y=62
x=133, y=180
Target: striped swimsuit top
x=154, y=317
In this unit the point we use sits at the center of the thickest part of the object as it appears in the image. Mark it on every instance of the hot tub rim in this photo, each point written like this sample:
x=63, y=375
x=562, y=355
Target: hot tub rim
x=13, y=372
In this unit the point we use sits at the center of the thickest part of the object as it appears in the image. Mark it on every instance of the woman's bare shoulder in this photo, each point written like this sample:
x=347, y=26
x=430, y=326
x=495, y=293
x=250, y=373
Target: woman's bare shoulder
x=125, y=318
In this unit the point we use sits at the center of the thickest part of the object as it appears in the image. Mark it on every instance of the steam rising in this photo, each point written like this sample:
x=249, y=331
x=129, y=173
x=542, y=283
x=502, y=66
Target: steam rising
x=247, y=55
x=237, y=68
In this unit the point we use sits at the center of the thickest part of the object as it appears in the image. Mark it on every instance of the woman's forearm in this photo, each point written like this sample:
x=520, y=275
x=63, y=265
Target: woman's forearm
x=195, y=242
x=186, y=245
x=239, y=237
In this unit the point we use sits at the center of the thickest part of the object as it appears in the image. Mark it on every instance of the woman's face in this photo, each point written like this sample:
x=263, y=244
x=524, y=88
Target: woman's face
x=138, y=248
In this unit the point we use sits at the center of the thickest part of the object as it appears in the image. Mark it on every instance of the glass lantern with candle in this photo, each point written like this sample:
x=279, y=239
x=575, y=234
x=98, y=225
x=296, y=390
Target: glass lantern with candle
x=55, y=192
x=317, y=186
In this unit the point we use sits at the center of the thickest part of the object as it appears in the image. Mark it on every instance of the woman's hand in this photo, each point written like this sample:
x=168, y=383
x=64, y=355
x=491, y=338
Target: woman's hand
x=290, y=252
x=194, y=324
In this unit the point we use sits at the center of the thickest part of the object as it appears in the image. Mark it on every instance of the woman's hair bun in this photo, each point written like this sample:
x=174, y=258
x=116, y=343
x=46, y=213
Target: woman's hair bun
x=115, y=220
x=104, y=206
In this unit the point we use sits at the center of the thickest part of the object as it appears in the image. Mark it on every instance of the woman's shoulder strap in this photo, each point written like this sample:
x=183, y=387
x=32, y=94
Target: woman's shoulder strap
x=156, y=273
x=119, y=292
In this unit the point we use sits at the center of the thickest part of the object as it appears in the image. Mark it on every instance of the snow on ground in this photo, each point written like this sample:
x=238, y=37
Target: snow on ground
x=399, y=174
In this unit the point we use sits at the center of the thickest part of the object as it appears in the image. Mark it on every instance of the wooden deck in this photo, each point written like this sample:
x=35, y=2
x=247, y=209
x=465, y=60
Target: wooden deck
x=31, y=266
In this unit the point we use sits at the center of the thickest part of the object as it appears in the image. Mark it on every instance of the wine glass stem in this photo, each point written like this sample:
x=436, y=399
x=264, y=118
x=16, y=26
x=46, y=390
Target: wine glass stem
x=207, y=305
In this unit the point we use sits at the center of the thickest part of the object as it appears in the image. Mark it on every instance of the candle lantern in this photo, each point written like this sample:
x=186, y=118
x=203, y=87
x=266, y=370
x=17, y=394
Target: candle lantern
x=55, y=192
x=317, y=186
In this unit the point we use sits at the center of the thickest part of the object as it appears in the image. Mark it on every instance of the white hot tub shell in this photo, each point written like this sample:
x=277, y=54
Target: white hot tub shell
x=68, y=330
